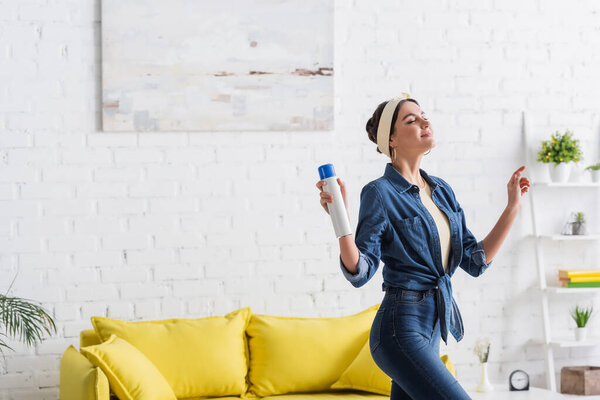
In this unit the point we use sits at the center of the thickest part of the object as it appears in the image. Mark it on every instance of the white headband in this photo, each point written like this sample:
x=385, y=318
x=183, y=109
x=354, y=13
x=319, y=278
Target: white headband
x=385, y=123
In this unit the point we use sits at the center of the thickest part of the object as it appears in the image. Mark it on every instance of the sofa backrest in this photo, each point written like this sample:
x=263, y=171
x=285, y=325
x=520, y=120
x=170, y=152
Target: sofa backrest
x=88, y=337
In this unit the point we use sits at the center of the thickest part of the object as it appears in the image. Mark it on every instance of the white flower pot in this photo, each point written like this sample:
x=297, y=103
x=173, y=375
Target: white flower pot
x=484, y=381
x=596, y=176
x=581, y=334
x=559, y=173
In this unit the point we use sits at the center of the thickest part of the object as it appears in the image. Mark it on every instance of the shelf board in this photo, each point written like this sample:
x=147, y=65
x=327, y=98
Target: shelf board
x=589, y=342
x=562, y=290
x=567, y=184
x=570, y=237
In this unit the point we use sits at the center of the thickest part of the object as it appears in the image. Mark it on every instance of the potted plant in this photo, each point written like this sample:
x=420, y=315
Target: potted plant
x=23, y=320
x=579, y=224
x=595, y=170
x=482, y=349
x=581, y=317
x=560, y=151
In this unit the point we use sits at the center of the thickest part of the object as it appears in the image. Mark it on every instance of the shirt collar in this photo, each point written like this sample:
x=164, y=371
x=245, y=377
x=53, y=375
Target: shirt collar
x=400, y=181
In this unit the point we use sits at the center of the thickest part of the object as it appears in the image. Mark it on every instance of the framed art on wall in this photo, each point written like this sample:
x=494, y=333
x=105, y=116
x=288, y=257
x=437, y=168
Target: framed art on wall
x=224, y=65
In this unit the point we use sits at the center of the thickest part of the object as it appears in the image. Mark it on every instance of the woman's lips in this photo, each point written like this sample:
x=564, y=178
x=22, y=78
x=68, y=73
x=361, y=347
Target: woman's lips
x=427, y=135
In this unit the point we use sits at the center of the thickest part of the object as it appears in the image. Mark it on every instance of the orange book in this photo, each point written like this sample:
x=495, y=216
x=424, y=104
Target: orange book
x=577, y=273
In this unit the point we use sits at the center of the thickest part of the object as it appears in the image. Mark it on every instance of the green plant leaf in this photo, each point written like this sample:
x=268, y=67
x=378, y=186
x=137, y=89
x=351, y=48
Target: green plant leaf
x=581, y=315
x=560, y=149
x=24, y=320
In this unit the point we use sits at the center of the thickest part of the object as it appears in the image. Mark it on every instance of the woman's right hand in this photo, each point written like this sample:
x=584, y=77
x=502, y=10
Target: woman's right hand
x=328, y=198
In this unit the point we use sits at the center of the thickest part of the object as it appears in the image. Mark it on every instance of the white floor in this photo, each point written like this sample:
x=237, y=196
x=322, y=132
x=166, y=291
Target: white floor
x=501, y=392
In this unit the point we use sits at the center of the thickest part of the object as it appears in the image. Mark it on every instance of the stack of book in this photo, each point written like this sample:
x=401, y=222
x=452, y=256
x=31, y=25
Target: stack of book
x=577, y=278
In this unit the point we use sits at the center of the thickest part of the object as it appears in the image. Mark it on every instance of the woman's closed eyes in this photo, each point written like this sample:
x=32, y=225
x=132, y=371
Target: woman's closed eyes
x=410, y=122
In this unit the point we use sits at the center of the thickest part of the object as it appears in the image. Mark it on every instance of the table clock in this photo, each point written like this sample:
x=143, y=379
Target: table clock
x=518, y=380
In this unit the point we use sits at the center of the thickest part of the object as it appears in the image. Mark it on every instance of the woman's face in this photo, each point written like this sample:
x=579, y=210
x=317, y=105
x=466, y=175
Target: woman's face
x=412, y=131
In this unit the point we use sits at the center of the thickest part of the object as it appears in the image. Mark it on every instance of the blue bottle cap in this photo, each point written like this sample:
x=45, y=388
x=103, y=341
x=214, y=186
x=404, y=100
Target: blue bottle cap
x=326, y=171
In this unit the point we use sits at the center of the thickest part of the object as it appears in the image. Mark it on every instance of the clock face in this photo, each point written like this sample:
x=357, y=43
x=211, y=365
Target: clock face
x=519, y=379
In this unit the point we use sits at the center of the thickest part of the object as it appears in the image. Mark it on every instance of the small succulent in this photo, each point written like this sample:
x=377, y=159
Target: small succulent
x=581, y=315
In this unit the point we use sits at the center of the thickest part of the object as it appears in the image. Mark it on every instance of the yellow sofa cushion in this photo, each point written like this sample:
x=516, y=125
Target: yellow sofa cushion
x=80, y=379
x=202, y=357
x=88, y=337
x=292, y=354
x=448, y=364
x=363, y=374
x=131, y=375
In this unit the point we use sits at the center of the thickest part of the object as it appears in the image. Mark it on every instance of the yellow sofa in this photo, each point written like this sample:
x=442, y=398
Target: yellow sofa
x=240, y=355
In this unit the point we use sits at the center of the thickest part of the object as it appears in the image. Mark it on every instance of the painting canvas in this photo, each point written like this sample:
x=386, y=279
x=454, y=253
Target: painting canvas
x=227, y=65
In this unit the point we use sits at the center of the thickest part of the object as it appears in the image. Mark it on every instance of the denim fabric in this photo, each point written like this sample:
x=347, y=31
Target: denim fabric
x=404, y=343
x=395, y=227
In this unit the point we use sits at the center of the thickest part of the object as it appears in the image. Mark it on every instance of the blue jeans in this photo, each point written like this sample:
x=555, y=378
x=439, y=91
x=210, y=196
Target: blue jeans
x=405, y=344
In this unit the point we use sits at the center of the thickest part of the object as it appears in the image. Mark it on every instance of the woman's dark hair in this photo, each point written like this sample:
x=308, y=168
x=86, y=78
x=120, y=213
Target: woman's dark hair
x=373, y=122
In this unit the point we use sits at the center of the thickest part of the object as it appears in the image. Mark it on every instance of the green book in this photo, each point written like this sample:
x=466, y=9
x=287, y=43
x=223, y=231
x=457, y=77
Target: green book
x=581, y=284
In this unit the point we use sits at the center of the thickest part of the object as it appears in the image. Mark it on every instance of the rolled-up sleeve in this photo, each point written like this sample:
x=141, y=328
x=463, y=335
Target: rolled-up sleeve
x=473, y=256
x=357, y=279
x=372, y=222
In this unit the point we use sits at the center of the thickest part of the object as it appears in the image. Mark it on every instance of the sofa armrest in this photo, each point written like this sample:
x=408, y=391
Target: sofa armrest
x=80, y=379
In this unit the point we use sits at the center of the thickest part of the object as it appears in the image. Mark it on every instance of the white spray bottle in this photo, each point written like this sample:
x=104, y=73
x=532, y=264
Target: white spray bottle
x=337, y=209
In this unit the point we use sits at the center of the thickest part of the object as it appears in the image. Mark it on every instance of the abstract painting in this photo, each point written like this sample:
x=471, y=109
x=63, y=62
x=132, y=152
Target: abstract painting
x=208, y=65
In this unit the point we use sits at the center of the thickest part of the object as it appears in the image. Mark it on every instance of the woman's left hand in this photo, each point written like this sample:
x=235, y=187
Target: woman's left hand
x=517, y=186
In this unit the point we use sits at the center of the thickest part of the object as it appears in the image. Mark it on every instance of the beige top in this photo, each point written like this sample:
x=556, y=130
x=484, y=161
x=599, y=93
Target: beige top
x=441, y=221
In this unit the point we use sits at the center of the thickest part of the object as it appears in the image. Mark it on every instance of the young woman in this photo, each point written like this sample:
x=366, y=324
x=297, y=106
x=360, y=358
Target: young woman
x=413, y=223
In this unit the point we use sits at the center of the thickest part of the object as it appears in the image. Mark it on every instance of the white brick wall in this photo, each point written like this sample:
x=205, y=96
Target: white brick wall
x=160, y=225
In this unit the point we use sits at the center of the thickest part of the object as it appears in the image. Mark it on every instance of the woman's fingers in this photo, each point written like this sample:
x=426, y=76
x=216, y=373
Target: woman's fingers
x=324, y=200
x=325, y=197
x=516, y=177
x=342, y=187
x=517, y=174
x=324, y=194
x=524, y=184
x=328, y=197
x=516, y=180
x=520, y=169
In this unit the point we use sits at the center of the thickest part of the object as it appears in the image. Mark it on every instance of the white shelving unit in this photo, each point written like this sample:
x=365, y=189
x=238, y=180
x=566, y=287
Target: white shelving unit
x=550, y=342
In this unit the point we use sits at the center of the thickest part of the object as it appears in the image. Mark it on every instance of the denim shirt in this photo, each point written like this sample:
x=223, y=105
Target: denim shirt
x=394, y=226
